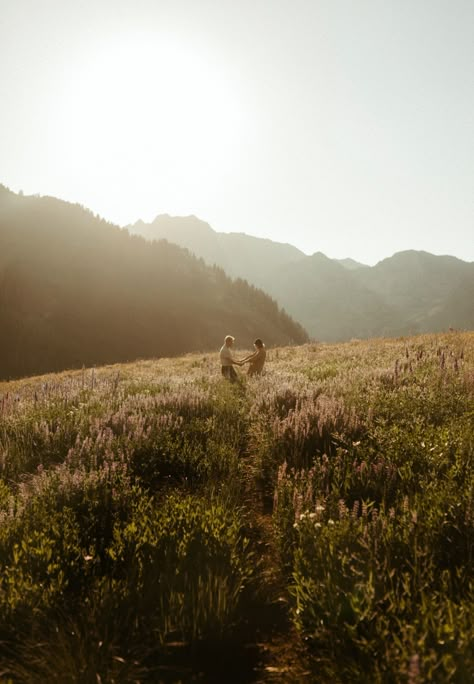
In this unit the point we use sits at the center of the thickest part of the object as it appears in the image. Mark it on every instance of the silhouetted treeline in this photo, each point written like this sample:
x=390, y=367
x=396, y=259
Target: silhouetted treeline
x=76, y=290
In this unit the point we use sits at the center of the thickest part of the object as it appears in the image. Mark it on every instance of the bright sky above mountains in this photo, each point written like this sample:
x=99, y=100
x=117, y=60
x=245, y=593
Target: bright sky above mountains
x=337, y=126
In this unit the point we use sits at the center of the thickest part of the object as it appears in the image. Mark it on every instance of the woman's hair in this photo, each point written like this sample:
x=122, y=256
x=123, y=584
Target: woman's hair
x=258, y=343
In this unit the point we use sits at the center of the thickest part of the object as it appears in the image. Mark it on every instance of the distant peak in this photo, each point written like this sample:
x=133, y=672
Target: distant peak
x=170, y=217
x=351, y=264
x=320, y=255
x=411, y=255
x=183, y=221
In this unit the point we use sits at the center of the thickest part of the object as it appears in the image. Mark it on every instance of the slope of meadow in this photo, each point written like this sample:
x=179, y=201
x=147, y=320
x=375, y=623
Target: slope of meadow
x=160, y=524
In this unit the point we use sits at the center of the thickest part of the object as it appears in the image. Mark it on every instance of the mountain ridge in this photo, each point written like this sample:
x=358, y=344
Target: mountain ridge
x=405, y=293
x=411, y=292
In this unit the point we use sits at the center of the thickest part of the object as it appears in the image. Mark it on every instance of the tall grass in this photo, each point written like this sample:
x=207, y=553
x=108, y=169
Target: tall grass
x=128, y=496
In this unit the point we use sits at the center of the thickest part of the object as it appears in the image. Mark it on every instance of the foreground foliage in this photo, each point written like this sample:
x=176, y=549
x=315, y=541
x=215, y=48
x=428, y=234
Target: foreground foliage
x=128, y=498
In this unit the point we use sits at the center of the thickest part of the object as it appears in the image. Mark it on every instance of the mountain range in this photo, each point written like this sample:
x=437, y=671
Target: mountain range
x=76, y=290
x=335, y=300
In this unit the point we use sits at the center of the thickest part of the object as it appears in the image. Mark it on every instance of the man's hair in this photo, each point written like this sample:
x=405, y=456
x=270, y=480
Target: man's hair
x=229, y=337
x=258, y=342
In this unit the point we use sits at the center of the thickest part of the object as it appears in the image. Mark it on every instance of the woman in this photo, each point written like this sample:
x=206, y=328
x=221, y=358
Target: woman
x=256, y=360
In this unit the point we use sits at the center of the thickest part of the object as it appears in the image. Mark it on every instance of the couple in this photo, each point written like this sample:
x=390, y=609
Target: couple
x=255, y=360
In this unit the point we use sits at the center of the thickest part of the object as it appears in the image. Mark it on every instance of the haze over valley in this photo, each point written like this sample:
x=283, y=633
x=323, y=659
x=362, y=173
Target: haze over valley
x=407, y=293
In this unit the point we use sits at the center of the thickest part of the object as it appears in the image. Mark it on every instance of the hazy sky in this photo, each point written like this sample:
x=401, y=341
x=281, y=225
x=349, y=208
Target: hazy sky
x=341, y=126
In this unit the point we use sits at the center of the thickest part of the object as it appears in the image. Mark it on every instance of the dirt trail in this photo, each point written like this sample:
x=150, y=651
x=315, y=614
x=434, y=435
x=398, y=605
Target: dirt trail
x=281, y=656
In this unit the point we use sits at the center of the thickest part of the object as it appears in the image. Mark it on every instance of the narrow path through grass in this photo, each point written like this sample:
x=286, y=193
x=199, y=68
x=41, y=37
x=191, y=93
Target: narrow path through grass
x=280, y=652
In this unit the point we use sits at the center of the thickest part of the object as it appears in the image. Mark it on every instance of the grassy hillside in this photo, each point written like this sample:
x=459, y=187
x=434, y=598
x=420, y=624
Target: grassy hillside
x=314, y=524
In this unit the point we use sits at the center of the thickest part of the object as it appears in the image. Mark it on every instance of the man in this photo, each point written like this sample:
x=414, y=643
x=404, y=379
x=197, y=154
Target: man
x=227, y=360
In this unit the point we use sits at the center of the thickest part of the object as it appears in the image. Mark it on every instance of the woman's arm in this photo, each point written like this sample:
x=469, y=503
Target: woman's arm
x=250, y=357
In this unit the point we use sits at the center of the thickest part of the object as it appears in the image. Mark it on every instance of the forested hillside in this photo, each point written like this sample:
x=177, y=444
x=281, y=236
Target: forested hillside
x=239, y=254
x=76, y=290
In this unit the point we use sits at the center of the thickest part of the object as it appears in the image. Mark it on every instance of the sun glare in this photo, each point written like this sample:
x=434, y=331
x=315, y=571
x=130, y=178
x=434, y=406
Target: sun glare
x=152, y=112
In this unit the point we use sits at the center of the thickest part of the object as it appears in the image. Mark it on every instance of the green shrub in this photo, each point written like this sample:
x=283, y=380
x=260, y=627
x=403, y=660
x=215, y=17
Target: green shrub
x=362, y=581
x=56, y=538
x=183, y=564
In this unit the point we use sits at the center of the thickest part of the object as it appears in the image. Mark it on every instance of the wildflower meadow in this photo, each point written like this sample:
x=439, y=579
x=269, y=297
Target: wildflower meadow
x=160, y=524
